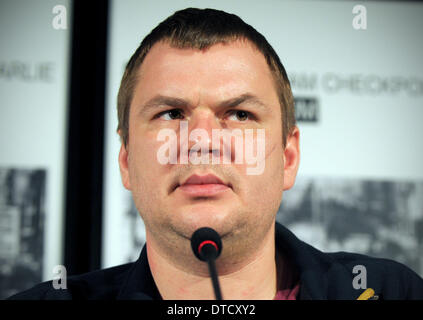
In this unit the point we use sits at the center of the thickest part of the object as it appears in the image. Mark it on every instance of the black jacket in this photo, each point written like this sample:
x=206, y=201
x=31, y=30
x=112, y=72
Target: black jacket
x=321, y=275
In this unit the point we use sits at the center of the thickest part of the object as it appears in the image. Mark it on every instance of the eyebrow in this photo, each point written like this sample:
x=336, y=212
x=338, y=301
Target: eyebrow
x=162, y=101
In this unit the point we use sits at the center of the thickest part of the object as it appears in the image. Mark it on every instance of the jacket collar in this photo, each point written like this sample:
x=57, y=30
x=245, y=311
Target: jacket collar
x=303, y=259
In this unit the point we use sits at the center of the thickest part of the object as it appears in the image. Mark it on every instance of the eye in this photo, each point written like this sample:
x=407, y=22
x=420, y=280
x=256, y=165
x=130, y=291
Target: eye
x=240, y=115
x=171, y=114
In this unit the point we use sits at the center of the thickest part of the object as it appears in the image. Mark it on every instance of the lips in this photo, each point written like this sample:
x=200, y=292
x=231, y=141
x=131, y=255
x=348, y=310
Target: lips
x=203, y=186
x=207, y=179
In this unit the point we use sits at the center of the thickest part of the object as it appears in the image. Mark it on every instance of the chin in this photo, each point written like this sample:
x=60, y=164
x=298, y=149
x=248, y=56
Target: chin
x=195, y=218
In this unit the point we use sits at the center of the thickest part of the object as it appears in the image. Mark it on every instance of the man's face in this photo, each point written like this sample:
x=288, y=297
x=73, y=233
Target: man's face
x=197, y=83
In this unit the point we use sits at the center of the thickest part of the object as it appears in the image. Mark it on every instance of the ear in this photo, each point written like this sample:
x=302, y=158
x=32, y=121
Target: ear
x=123, y=165
x=291, y=157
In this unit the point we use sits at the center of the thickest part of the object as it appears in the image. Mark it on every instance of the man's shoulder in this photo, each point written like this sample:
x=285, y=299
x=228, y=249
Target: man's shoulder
x=344, y=275
x=103, y=284
x=389, y=278
x=382, y=266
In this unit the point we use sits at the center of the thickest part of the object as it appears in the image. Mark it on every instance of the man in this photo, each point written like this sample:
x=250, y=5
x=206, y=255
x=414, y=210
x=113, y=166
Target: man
x=198, y=75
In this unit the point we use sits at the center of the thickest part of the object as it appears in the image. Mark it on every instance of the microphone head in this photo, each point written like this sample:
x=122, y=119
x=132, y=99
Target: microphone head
x=206, y=244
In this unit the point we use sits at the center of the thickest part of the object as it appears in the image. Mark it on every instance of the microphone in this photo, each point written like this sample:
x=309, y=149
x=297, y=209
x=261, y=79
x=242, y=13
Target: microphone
x=207, y=245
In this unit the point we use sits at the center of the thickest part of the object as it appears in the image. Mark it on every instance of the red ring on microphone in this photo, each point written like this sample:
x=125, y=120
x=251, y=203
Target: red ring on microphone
x=202, y=244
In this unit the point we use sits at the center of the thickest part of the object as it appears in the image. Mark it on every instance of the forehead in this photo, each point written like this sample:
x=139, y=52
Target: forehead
x=221, y=70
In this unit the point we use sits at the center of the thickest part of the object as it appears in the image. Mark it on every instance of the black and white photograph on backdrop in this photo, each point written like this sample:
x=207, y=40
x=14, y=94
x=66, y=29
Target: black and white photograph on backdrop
x=378, y=218
x=22, y=218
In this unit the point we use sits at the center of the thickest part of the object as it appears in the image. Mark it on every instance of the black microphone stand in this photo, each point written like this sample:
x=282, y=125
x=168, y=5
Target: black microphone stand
x=209, y=253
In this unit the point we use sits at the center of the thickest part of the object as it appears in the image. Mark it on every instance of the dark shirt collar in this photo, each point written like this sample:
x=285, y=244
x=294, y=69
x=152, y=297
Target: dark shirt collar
x=139, y=283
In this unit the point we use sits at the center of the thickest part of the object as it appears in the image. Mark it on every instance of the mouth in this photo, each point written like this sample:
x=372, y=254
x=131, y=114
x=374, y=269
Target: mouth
x=203, y=186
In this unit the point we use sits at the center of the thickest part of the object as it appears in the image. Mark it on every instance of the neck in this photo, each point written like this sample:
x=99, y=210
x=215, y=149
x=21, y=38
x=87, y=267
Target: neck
x=242, y=282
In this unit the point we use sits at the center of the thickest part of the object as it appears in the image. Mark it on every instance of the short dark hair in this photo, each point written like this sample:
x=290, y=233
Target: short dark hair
x=200, y=29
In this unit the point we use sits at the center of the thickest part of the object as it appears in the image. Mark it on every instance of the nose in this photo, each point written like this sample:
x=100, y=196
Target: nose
x=196, y=138
x=200, y=130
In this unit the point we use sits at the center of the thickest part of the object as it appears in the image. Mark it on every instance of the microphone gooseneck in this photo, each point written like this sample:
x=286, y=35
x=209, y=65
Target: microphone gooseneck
x=207, y=246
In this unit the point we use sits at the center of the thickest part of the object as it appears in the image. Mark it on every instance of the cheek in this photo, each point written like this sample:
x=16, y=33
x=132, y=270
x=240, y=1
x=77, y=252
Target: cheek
x=144, y=145
x=274, y=157
x=143, y=164
x=145, y=172
x=268, y=157
x=271, y=177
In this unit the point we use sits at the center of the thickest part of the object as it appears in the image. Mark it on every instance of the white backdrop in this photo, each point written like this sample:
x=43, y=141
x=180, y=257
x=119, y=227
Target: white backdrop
x=366, y=87
x=34, y=66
